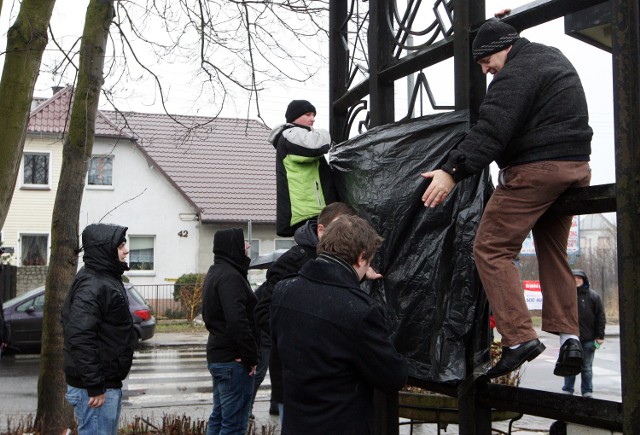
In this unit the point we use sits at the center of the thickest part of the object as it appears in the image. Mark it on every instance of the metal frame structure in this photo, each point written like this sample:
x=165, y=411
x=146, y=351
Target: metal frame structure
x=389, y=55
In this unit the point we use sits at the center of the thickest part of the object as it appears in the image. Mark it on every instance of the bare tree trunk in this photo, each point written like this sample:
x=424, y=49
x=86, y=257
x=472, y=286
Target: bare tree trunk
x=26, y=41
x=53, y=413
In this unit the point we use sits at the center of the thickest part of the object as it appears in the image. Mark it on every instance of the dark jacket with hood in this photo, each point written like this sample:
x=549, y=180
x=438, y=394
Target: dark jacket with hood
x=335, y=349
x=590, y=310
x=288, y=264
x=228, y=302
x=303, y=176
x=98, y=330
x=535, y=109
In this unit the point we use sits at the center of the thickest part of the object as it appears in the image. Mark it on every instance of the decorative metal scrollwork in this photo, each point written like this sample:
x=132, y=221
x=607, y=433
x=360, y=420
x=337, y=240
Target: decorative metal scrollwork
x=423, y=84
x=414, y=24
x=411, y=29
x=354, y=111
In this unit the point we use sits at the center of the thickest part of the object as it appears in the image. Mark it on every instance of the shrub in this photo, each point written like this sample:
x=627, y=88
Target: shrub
x=174, y=314
x=188, y=290
x=188, y=279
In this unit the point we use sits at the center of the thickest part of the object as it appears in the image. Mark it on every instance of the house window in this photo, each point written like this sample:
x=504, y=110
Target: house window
x=100, y=171
x=141, y=253
x=284, y=243
x=33, y=249
x=255, y=248
x=35, y=169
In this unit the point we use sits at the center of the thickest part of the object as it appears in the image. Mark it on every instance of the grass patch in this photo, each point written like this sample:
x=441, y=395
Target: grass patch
x=537, y=321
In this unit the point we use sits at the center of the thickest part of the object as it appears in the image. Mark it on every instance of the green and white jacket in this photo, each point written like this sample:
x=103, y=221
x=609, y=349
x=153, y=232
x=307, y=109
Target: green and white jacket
x=304, y=181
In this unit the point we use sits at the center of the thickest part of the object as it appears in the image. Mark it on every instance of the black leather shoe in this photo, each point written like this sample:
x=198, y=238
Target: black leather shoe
x=570, y=359
x=273, y=409
x=511, y=359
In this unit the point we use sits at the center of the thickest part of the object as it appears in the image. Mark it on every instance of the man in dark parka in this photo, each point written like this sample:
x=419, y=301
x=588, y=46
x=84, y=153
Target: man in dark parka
x=332, y=337
x=232, y=354
x=98, y=332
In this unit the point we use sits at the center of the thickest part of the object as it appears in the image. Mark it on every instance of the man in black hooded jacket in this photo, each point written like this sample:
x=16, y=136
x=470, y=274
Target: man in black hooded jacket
x=98, y=332
x=592, y=322
x=232, y=354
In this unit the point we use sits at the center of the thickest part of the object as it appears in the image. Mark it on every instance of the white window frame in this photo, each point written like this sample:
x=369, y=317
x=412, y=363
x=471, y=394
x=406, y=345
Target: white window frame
x=100, y=186
x=33, y=233
x=291, y=241
x=136, y=272
x=252, y=246
x=24, y=185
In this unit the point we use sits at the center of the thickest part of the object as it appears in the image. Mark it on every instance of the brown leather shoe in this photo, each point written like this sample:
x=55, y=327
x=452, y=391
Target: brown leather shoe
x=511, y=359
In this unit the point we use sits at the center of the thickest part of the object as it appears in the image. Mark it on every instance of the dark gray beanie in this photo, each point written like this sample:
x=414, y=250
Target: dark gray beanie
x=297, y=108
x=493, y=36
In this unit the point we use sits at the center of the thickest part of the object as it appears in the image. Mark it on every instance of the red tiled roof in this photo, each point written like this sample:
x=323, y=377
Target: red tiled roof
x=52, y=116
x=225, y=167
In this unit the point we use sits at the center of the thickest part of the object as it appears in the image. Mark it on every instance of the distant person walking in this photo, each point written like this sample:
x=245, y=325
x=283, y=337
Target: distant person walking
x=332, y=338
x=98, y=332
x=592, y=323
x=232, y=354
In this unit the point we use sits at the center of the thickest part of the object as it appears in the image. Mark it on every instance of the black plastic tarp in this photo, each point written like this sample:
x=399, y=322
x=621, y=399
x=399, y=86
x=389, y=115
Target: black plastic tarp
x=430, y=288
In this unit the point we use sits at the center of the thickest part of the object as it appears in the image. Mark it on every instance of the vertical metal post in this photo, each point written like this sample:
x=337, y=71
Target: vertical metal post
x=470, y=83
x=625, y=37
x=338, y=66
x=470, y=87
x=386, y=413
x=381, y=107
x=381, y=98
x=410, y=84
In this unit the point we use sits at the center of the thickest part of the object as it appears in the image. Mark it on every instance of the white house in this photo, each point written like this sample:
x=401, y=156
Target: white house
x=172, y=180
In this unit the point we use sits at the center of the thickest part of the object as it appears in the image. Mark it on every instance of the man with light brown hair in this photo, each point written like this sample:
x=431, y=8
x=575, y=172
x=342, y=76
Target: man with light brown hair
x=332, y=338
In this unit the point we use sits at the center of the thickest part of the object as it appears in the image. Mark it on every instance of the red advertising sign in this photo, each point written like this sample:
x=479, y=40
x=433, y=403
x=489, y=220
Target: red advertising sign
x=532, y=294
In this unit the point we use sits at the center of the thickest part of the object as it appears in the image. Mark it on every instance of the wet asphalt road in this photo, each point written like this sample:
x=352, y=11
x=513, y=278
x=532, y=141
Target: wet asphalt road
x=175, y=380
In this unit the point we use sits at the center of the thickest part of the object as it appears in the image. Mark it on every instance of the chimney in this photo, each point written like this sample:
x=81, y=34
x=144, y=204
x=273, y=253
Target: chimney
x=56, y=89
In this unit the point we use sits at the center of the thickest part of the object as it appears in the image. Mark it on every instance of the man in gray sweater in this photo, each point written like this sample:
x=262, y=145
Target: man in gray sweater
x=533, y=123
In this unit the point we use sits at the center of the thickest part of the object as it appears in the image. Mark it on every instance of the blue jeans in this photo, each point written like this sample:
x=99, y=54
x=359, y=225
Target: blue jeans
x=586, y=375
x=232, y=398
x=95, y=421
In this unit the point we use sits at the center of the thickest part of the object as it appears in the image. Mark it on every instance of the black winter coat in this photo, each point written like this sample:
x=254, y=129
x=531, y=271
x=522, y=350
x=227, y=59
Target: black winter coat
x=228, y=302
x=535, y=109
x=98, y=330
x=335, y=349
x=287, y=265
x=590, y=314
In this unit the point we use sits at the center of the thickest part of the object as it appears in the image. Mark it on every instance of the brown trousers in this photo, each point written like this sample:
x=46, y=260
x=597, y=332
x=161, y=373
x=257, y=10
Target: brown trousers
x=521, y=204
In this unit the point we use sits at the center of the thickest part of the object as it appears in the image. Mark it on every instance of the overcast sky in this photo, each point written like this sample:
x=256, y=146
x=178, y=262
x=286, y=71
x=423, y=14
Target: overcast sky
x=593, y=65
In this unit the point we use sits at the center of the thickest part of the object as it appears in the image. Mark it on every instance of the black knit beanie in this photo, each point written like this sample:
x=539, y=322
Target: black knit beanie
x=297, y=108
x=493, y=36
